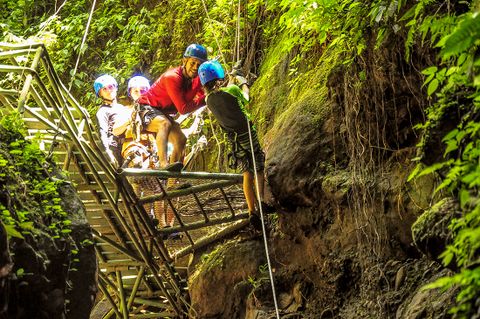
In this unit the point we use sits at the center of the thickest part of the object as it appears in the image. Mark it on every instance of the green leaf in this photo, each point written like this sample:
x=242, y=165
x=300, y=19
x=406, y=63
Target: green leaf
x=463, y=37
x=432, y=87
x=450, y=135
x=432, y=168
x=464, y=197
x=430, y=70
x=12, y=232
x=451, y=146
x=415, y=172
x=444, y=283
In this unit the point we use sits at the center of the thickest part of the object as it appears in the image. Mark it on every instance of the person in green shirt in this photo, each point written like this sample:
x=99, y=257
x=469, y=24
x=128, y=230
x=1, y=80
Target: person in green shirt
x=227, y=104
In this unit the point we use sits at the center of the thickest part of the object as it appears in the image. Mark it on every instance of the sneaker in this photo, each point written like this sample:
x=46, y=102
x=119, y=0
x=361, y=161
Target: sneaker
x=164, y=236
x=255, y=221
x=267, y=208
x=174, y=167
x=175, y=236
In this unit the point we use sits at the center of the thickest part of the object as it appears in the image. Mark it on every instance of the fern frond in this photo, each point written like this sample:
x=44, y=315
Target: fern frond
x=463, y=37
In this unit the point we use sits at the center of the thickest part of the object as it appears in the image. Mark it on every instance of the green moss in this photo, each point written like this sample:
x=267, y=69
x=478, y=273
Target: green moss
x=210, y=261
x=283, y=91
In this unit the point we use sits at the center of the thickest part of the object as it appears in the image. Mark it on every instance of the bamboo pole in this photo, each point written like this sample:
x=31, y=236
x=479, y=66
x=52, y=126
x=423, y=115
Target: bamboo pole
x=186, y=191
x=104, y=289
x=123, y=301
x=186, y=175
x=201, y=224
x=8, y=92
x=28, y=81
x=119, y=248
x=69, y=122
x=14, y=53
x=228, y=201
x=197, y=200
x=138, y=280
x=210, y=239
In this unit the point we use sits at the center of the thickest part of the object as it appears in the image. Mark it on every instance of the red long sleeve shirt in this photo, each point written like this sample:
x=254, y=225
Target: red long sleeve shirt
x=167, y=93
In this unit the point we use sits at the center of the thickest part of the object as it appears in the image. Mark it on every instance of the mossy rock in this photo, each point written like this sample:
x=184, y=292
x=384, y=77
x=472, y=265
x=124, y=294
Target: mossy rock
x=336, y=185
x=217, y=287
x=430, y=232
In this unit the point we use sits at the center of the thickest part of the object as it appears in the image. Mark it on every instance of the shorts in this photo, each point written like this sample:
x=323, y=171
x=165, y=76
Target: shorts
x=148, y=113
x=240, y=156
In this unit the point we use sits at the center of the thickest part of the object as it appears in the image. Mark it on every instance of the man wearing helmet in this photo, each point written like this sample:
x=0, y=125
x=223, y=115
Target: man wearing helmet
x=178, y=90
x=105, y=87
x=228, y=106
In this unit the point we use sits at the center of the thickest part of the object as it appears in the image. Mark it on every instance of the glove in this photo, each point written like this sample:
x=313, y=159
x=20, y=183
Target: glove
x=240, y=80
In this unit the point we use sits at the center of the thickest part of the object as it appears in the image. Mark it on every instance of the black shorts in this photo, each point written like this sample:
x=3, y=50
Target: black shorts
x=148, y=113
x=240, y=156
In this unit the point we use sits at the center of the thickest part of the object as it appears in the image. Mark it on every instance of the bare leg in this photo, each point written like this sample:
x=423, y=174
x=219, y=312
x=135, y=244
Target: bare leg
x=169, y=216
x=178, y=140
x=161, y=126
x=260, y=182
x=249, y=190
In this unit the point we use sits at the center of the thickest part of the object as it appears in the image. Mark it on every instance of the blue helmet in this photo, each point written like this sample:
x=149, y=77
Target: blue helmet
x=103, y=81
x=210, y=70
x=196, y=51
x=137, y=81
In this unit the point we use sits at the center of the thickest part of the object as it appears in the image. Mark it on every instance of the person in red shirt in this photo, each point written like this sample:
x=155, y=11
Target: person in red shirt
x=178, y=90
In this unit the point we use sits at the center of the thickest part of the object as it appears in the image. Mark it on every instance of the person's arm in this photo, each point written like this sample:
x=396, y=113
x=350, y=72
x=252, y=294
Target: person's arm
x=241, y=82
x=149, y=97
x=177, y=96
x=102, y=120
x=245, y=91
x=122, y=122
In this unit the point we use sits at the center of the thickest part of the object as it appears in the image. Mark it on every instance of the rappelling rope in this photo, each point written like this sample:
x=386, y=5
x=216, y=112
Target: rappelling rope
x=270, y=273
x=51, y=18
x=260, y=208
x=237, y=35
x=214, y=35
x=82, y=44
x=65, y=107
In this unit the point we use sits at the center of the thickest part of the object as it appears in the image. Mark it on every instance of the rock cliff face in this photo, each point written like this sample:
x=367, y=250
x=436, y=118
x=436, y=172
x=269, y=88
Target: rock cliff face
x=48, y=264
x=338, y=143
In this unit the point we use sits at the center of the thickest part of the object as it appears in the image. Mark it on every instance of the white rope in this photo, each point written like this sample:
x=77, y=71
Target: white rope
x=237, y=44
x=264, y=232
x=65, y=107
x=82, y=44
x=50, y=19
x=214, y=34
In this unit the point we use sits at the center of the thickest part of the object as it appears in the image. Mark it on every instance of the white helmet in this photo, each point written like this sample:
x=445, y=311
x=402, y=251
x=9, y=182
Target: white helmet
x=137, y=81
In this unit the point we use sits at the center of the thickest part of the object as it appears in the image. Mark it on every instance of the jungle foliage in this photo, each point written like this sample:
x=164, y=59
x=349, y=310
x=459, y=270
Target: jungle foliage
x=29, y=192
x=452, y=81
x=133, y=36
x=454, y=87
x=129, y=37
